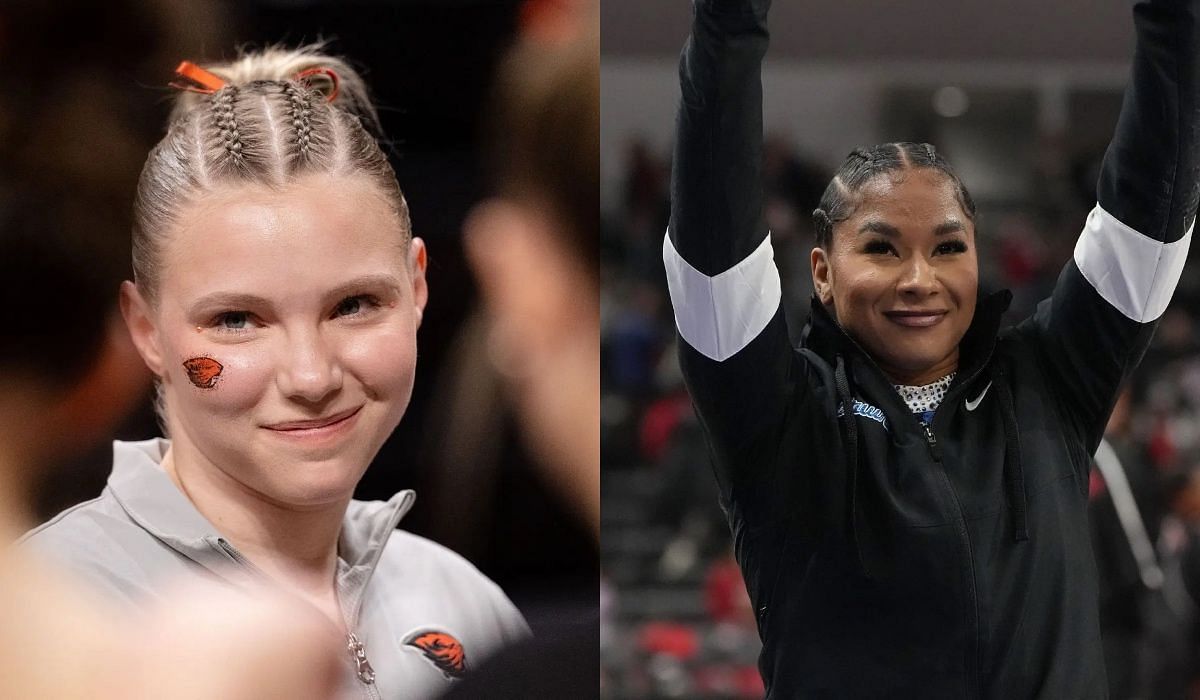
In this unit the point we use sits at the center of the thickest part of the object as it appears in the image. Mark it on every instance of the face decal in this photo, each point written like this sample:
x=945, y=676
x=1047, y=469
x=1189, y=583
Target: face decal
x=203, y=371
x=306, y=298
x=442, y=649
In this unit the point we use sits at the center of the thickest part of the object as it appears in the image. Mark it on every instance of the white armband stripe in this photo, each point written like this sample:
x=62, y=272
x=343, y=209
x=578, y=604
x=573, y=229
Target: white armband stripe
x=720, y=315
x=1131, y=271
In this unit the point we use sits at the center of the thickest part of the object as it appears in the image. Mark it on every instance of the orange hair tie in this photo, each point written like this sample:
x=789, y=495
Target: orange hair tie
x=198, y=79
x=327, y=72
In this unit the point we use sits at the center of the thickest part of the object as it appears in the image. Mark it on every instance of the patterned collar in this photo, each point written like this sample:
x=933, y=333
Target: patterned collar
x=924, y=400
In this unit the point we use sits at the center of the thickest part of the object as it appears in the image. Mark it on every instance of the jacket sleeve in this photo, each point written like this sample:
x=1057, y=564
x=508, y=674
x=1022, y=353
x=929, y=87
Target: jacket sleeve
x=724, y=285
x=1098, y=323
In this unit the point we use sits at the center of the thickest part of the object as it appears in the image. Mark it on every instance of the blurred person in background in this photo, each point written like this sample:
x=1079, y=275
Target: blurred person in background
x=534, y=249
x=907, y=491
x=1123, y=516
x=277, y=295
x=1171, y=658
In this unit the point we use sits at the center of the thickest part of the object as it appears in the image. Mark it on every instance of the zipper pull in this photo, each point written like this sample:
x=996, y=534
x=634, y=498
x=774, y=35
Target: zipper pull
x=358, y=654
x=934, y=450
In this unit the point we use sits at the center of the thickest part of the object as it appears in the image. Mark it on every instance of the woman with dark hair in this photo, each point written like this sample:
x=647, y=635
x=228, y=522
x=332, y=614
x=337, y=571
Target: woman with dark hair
x=907, y=489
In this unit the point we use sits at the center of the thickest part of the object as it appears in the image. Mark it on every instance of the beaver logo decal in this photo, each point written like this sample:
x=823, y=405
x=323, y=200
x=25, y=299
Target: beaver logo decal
x=203, y=371
x=442, y=649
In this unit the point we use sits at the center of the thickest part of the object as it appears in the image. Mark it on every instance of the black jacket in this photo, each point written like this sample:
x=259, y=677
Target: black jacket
x=884, y=559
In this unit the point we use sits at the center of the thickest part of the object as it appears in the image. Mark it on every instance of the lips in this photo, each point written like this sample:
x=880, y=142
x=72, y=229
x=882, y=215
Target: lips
x=919, y=318
x=315, y=424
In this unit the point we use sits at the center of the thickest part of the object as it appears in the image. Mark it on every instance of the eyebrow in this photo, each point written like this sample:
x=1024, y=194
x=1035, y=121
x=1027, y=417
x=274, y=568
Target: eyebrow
x=885, y=229
x=238, y=300
x=358, y=284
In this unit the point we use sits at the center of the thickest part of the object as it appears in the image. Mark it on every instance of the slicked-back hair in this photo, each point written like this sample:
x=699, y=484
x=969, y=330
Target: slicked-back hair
x=863, y=165
x=263, y=127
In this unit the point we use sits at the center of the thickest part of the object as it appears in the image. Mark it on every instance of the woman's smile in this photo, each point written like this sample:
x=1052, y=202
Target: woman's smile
x=319, y=430
x=916, y=319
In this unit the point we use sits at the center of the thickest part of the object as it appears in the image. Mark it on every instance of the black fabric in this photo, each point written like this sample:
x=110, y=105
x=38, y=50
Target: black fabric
x=722, y=93
x=885, y=558
x=850, y=426
x=1014, y=473
x=1150, y=177
x=559, y=663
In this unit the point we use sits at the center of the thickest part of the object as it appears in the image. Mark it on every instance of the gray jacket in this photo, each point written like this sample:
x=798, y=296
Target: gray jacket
x=417, y=608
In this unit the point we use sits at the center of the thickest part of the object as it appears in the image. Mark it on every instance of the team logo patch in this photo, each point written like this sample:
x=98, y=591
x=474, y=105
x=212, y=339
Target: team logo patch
x=866, y=410
x=442, y=649
x=203, y=371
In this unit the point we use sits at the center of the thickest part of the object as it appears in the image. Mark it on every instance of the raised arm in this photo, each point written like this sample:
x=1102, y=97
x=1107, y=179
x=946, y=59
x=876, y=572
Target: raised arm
x=716, y=185
x=1128, y=260
x=720, y=267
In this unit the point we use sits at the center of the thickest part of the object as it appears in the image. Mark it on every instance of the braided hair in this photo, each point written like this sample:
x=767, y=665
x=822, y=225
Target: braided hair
x=263, y=126
x=300, y=113
x=225, y=122
x=863, y=165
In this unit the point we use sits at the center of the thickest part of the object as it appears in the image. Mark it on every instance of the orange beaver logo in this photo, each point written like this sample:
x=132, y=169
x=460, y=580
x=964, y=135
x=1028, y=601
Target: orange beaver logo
x=442, y=649
x=203, y=371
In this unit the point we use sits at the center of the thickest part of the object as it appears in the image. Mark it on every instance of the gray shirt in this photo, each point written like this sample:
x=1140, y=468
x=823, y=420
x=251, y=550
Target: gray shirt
x=422, y=613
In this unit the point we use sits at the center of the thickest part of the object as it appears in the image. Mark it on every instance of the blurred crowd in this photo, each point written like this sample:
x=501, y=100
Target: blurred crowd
x=676, y=620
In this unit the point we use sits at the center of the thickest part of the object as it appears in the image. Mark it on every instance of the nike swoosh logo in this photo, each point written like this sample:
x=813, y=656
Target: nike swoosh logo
x=972, y=405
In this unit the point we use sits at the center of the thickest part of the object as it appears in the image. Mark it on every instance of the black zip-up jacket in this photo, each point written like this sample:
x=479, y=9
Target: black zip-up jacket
x=884, y=559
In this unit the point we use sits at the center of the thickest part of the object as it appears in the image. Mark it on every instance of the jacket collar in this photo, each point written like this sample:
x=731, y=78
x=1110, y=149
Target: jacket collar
x=152, y=500
x=825, y=337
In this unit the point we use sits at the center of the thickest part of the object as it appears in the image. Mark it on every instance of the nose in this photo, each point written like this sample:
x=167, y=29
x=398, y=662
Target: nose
x=918, y=279
x=308, y=370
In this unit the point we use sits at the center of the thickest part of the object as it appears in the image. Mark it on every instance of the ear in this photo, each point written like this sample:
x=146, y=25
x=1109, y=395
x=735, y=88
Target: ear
x=417, y=261
x=139, y=319
x=822, y=275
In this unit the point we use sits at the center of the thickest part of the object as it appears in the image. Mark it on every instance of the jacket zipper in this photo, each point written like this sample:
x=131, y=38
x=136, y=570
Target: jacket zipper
x=935, y=451
x=358, y=655
x=354, y=645
x=965, y=538
x=362, y=666
x=973, y=680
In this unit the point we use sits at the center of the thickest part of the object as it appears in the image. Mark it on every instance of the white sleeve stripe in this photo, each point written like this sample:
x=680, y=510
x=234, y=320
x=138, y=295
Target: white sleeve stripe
x=720, y=315
x=1131, y=271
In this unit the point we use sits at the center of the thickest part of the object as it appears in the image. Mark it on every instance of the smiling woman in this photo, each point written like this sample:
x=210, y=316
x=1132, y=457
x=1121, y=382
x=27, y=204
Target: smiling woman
x=908, y=488
x=308, y=298
x=901, y=271
x=277, y=294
